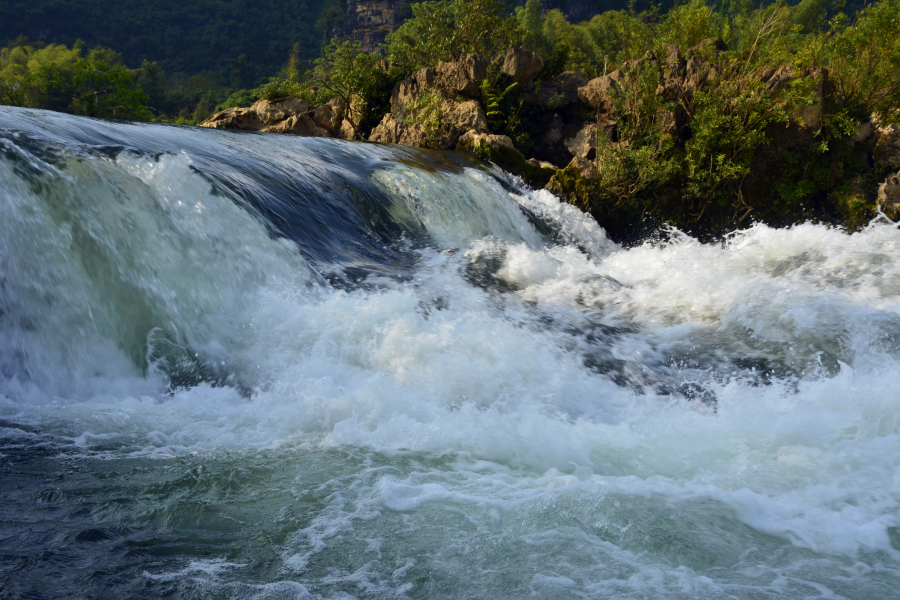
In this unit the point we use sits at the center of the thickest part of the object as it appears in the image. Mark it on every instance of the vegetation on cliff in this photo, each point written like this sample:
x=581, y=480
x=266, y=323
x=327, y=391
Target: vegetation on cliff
x=702, y=118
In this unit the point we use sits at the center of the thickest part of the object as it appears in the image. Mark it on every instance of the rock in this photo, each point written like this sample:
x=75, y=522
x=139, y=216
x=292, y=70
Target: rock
x=889, y=196
x=542, y=164
x=463, y=77
x=598, y=93
x=585, y=167
x=864, y=133
x=301, y=124
x=235, y=118
x=427, y=109
x=330, y=116
x=499, y=149
x=584, y=143
x=811, y=115
x=671, y=86
x=273, y=111
x=387, y=131
x=284, y=115
x=780, y=78
x=887, y=148
x=558, y=91
x=522, y=65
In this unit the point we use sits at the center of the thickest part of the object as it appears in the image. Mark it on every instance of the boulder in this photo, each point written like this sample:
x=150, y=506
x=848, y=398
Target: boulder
x=284, y=115
x=887, y=148
x=235, y=118
x=584, y=167
x=522, y=65
x=463, y=77
x=584, y=143
x=598, y=93
x=889, y=196
x=273, y=111
x=330, y=116
x=671, y=81
x=864, y=133
x=499, y=149
x=429, y=108
x=298, y=125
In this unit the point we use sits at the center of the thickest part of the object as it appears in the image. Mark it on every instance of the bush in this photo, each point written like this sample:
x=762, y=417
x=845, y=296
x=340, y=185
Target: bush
x=865, y=61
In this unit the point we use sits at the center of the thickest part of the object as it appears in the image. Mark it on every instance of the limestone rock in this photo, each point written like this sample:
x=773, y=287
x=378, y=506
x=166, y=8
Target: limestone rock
x=671, y=81
x=387, y=131
x=522, y=65
x=235, y=118
x=584, y=143
x=585, y=167
x=284, y=115
x=464, y=115
x=542, y=164
x=427, y=108
x=463, y=77
x=864, y=133
x=301, y=124
x=273, y=111
x=598, y=93
x=889, y=196
x=887, y=148
x=330, y=116
x=500, y=150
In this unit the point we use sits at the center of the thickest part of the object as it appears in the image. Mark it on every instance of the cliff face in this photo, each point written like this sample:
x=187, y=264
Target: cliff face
x=369, y=21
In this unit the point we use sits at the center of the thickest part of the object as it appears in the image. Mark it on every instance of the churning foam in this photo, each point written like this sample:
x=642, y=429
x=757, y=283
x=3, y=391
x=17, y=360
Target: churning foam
x=495, y=373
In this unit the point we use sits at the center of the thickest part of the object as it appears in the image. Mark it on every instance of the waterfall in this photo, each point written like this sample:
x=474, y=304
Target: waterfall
x=249, y=365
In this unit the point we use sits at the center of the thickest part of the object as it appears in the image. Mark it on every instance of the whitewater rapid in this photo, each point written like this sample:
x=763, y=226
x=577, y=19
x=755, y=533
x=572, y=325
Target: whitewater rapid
x=323, y=369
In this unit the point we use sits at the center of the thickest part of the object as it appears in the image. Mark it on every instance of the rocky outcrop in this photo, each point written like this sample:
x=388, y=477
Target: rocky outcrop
x=889, y=197
x=522, y=65
x=435, y=106
x=887, y=148
x=500, y=150
x=369, y=22
x=285, y=115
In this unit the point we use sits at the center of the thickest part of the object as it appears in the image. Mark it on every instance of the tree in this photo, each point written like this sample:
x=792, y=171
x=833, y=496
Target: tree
x=361, y=80
x=449, y=30
x=241, y=76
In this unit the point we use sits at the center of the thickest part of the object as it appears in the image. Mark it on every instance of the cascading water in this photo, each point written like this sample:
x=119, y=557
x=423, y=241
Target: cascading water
x=257, y=366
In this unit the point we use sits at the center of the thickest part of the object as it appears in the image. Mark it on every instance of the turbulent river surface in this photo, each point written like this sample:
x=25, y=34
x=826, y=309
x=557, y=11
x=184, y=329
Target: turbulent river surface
x=239, y=365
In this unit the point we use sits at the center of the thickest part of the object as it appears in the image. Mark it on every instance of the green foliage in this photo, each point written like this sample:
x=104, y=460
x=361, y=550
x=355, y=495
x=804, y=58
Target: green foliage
x=865, y=61
x=690, y=24
x=448, y=30
x=181, y=37
x=729, y=120
x=100, y=89
x=645, y=159
x=427, y=112
x=59, y=78
x=26, y=70
x=503, y=108
x=238, y=99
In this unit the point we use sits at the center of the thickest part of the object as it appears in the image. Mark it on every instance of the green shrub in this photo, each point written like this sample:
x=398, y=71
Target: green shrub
x=865, y=61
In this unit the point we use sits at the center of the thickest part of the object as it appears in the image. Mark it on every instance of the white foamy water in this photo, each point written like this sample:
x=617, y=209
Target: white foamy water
x=519, y=417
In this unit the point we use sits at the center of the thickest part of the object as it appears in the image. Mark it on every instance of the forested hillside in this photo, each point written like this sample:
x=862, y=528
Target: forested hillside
x=181, y=36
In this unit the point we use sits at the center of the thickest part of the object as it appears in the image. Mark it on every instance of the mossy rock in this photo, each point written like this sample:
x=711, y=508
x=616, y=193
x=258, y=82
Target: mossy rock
x=500, y=150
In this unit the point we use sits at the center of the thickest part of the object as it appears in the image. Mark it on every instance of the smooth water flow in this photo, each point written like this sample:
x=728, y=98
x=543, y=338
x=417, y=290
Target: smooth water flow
x=256, y=366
